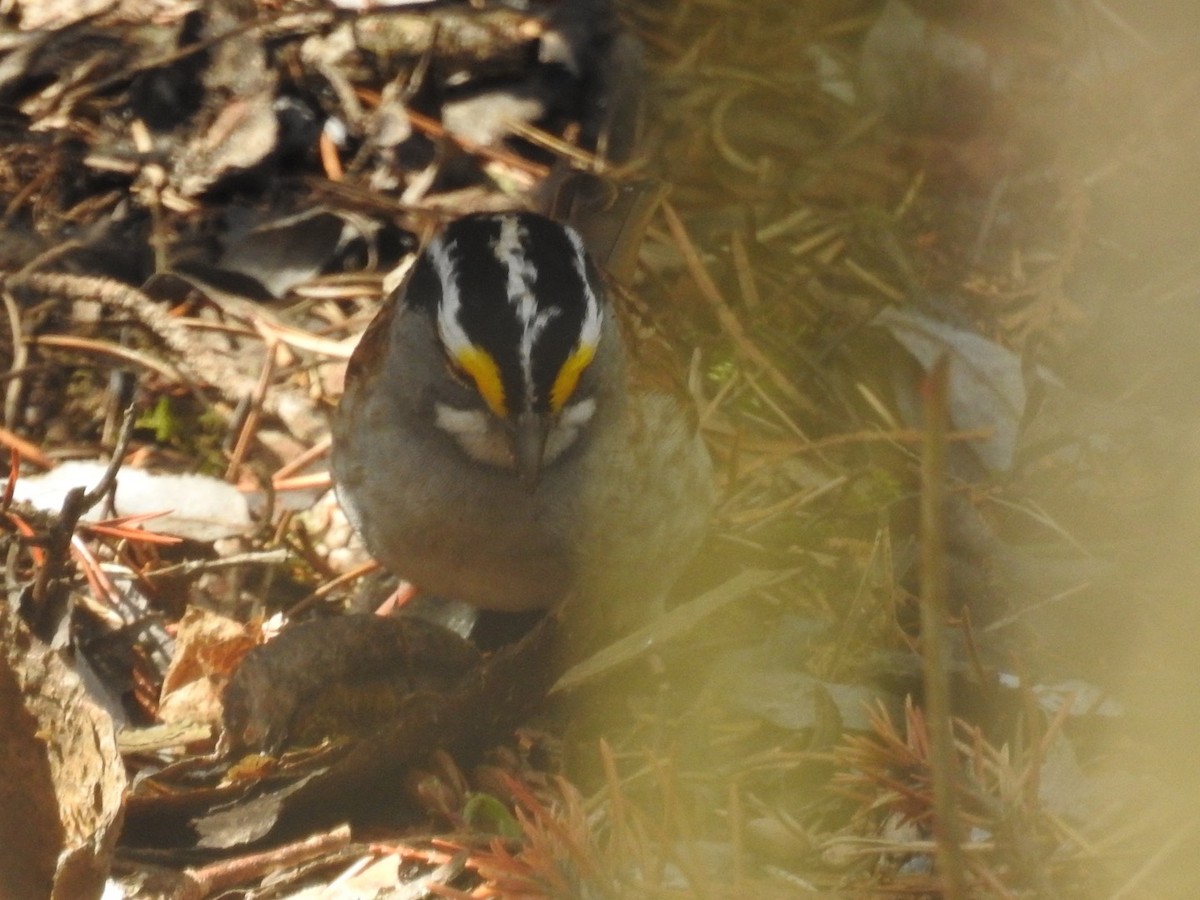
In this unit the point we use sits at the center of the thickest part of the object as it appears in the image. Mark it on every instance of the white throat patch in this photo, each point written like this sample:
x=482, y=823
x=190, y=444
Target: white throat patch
x=481, y=438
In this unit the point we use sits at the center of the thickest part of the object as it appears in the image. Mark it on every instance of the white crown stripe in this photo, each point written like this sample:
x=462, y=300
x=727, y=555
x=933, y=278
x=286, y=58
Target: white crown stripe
x=512, y=252
x=454, y=337
x=512, y=240
x=589, y=332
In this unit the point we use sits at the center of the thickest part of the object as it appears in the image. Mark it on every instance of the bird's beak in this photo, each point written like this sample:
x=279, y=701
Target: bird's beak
x=529, y=443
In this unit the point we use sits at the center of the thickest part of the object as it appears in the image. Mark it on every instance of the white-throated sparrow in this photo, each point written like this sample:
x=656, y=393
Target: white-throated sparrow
x=490, y=447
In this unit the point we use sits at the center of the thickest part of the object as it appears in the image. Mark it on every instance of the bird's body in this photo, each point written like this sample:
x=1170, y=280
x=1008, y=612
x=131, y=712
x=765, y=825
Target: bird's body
x=489, y=446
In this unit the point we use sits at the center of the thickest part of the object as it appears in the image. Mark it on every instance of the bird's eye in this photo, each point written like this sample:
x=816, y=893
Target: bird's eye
x=568, y=375
x=476, y=368
x=458, y=373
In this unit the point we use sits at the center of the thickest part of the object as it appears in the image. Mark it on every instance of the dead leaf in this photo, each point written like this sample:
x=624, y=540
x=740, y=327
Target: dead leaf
x=63, y=785
x=986, y=386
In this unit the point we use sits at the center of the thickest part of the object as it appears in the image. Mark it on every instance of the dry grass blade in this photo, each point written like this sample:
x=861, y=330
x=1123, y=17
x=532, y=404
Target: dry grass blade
x=665, y=628
x=113, y=351
x=730, y=323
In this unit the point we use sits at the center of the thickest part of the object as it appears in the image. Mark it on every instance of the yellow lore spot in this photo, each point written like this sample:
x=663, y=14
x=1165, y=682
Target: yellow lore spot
x=483, y=370
x=568, y=376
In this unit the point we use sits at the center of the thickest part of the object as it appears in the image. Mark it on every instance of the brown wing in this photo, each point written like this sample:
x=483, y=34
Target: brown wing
x=366, y=358
x=611, y=217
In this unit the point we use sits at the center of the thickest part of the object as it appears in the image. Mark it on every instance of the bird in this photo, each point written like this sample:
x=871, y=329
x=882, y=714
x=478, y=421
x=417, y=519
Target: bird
x=493, y=444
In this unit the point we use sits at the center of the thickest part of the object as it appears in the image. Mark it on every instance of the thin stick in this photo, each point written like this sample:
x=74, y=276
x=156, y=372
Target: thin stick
x=20, y=358
x=435, y=129
x=47, y=614
x=313, y=453
x=253, y=412
x=226, y=874
x=933, y=644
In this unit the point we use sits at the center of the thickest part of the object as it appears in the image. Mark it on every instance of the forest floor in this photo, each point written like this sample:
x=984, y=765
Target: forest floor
x=934, y=270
